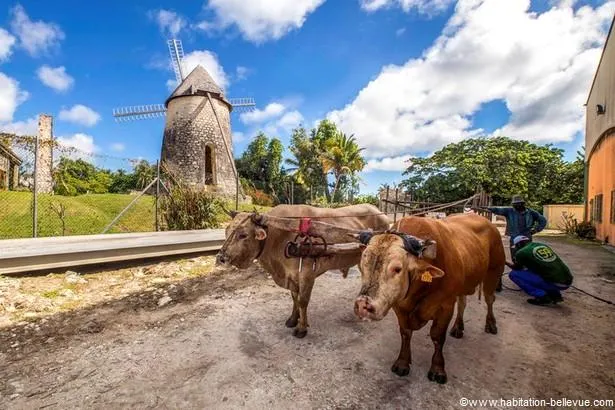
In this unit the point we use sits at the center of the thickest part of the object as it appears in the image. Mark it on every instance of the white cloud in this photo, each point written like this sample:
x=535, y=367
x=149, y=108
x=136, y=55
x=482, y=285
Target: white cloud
x=169, y=22
x=238, y=136
x=80, y=114
x=171, y=84
x=241, y=73
x=259, y=21
x=540, y=65
x=400, y=31
x=7, y=41
x=83, y=143
x=275, y=119
x=290, y=120
x=10, y=97
x=118, y=147
x=55, y=78
x=428, y=7
x=36, y=37
x=258, y=116
x=210, y=62
x=27, y=127
x=387, y=164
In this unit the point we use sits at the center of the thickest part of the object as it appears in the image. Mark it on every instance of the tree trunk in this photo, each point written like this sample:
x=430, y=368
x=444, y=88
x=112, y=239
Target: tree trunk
x=337, y=182
x=325, y=182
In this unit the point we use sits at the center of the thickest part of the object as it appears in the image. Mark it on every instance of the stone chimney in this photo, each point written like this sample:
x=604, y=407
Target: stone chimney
x=44, y=158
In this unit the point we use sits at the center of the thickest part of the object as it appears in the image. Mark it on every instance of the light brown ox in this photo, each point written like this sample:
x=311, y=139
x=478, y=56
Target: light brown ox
x=422, y=270
x=263, y=237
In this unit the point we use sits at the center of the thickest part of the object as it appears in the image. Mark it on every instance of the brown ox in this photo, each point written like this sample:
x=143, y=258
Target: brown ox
x=421, y=270
x=263, y=237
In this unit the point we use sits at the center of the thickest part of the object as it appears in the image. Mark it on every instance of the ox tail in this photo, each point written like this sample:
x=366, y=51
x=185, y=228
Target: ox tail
x=480, y=291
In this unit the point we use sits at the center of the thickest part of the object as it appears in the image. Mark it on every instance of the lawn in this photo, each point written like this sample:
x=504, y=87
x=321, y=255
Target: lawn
x=84, y=214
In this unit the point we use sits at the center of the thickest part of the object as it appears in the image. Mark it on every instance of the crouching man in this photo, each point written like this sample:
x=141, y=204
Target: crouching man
x=538, y=271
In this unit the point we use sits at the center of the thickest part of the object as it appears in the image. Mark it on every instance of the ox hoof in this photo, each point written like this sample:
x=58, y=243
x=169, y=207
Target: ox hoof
x=299, y=333
x=292, y=322
x=457, y=333
x=491, y=328
x=439, y=378
x=400, y=369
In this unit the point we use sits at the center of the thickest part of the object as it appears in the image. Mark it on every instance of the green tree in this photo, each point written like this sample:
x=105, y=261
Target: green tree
x=307, y=161
x=122, y=182
x=305, y=165
x=260, y=164
x=144, y=173
x=75, y=177
x=342, y=157
x=501, y=166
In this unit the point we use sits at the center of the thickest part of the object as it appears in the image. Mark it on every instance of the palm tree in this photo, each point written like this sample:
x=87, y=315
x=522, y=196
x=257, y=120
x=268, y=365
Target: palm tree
x=342, y=156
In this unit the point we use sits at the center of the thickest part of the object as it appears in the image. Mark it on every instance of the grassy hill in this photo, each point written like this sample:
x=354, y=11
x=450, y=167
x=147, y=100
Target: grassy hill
x=84, y=214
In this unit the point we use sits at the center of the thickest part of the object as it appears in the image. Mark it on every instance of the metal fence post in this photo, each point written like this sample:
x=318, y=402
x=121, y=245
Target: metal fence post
x=35, y=190
x=156, y=224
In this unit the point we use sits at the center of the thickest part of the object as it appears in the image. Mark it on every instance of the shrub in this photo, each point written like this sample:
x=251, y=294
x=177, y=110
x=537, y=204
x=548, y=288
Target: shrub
x=260, y=198
x=186, y=207
x=367, y=199
x=582, y=230
x=585, y=230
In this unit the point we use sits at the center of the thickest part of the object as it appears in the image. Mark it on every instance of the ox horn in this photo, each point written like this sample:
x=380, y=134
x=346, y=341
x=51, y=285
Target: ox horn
x=363, y=236
x=258, y=219
x=419, y=247
x=232, y=214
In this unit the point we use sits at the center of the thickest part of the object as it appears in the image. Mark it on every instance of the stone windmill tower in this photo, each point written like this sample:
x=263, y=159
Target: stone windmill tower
x=197, y=143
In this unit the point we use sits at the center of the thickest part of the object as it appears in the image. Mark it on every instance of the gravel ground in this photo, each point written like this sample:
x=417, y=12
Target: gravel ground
x=219, y=341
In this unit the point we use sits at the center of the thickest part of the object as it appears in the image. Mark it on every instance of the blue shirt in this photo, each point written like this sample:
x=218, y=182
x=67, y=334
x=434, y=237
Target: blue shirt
x=520, y=223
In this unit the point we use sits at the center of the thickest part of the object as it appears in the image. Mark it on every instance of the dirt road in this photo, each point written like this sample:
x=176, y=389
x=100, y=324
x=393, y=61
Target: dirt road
x=222, y=344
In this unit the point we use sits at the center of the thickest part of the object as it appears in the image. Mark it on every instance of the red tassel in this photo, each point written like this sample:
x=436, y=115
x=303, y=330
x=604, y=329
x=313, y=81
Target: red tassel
x=304, y=226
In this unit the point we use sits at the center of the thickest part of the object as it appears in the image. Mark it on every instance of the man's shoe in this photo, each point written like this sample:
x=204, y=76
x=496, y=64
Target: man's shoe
x=556, y=297
x=541, y=301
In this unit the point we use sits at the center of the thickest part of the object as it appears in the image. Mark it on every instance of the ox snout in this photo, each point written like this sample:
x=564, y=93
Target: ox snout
x=364, y=308
x=221, y=259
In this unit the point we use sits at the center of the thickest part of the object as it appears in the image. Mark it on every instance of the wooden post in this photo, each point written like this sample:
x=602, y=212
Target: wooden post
x=395, y=206
x=386, y=201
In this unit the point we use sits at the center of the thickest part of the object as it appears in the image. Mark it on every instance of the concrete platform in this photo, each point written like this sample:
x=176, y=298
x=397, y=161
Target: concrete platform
x=25, y=255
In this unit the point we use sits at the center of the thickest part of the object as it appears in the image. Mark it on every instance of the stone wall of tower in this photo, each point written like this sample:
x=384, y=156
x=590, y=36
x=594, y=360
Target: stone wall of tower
x=190, y=127
x=44, y=157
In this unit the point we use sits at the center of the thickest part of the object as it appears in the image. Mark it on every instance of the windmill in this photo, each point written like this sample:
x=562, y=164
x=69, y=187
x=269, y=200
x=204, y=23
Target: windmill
x=197, y=142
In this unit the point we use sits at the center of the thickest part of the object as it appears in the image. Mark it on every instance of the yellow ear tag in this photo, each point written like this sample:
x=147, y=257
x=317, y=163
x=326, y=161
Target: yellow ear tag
x=426, y=277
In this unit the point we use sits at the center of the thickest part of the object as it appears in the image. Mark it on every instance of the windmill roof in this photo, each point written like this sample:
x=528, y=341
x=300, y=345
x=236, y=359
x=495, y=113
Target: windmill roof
x=197, y=82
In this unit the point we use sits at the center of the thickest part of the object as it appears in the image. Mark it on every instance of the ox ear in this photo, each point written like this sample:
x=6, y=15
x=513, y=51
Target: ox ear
x=430, y=272
x=429, y=249
x=260, y=234
x=364, y=237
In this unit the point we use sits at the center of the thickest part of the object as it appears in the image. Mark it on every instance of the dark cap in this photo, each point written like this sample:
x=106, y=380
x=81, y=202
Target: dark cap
x=517, y=199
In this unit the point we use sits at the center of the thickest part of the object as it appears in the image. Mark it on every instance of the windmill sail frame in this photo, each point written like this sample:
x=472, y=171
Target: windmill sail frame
x=141, y=112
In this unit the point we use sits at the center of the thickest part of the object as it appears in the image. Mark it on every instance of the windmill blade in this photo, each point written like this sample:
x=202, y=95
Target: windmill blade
x=139, y=112
x=242, y=104
x=176, y=50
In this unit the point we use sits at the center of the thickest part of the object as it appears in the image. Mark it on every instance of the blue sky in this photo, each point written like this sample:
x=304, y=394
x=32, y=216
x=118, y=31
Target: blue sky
x=406, y=77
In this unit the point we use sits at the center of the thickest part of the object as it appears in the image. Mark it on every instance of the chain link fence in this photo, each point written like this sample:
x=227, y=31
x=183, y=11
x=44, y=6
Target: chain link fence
x=51, y=189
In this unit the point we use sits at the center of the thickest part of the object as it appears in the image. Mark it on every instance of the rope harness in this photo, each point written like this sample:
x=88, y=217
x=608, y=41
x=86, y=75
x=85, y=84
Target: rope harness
x=308, y=244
